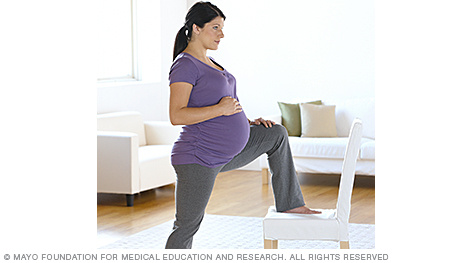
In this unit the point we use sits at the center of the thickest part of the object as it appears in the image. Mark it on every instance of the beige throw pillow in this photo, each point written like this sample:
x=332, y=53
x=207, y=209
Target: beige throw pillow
x=291, y=116
x=318, y=120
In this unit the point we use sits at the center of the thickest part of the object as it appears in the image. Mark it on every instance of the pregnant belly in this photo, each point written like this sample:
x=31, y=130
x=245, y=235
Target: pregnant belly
x=224, y=136
x=212, y=143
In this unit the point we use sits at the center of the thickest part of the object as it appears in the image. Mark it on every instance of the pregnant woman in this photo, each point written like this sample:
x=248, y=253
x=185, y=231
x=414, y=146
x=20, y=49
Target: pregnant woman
x=217, y=136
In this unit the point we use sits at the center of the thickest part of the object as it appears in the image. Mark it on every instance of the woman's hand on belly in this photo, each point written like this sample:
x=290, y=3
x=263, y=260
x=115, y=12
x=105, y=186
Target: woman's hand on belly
x=229, y=106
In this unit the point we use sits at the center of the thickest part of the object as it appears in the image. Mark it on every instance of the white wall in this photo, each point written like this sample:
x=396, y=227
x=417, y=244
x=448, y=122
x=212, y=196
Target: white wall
x=297, y=50
x=278, y=51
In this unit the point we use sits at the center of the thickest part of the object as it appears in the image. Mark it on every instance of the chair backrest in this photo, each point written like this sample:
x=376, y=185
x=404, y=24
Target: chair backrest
x=343, y=205
x=124, y=121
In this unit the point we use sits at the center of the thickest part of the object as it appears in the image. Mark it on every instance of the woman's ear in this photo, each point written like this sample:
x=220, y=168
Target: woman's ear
x=196, y=29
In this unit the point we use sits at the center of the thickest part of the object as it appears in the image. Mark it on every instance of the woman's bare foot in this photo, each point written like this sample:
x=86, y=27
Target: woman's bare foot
x=302, y=210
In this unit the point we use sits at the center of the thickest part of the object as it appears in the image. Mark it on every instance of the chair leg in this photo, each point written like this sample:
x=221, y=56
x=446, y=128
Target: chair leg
x=344, y=244
x=265, y=176
x=270, y=244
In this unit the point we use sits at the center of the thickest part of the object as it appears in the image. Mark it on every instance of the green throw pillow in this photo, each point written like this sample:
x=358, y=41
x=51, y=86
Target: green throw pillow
x=291, y=116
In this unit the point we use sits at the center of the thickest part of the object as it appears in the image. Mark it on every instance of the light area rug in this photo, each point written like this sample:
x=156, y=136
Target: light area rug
x=237, y=232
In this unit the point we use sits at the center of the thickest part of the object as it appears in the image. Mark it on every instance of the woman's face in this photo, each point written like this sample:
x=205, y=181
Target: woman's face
x=210, y=35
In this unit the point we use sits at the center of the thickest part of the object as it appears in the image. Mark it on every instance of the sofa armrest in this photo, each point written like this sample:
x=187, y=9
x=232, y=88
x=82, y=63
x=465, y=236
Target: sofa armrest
x=161, y=132
x=117, y=162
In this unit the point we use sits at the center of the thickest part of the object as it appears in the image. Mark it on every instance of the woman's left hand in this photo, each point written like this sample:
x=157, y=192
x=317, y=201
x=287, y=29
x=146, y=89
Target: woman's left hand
x=266, y=123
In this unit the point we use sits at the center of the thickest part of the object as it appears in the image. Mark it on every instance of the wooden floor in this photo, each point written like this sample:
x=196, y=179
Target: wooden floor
x=237, y=193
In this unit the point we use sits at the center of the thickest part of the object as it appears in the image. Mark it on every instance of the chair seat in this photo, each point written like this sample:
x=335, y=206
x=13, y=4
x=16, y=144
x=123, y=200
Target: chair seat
x=292, y=226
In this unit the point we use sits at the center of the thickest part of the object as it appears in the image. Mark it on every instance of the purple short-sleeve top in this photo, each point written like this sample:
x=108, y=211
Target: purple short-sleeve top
x=216, y=141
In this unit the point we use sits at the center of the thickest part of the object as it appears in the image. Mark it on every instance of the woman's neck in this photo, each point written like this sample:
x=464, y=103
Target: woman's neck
x=199, y=53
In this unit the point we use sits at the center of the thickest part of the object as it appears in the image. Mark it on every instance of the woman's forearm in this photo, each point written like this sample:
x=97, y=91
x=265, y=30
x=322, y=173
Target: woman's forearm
x=191, y=115
x=180, y=114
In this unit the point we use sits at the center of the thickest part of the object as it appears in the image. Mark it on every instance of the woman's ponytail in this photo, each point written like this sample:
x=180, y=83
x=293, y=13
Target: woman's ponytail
x=199, y=14
x=181, y=41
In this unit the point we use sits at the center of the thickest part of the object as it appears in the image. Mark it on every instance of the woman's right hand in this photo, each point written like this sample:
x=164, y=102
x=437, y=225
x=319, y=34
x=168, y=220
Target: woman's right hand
x=229, y=106
x=181, y=114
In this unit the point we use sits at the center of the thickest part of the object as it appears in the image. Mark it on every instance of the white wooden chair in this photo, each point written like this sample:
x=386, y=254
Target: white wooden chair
x=331, y=224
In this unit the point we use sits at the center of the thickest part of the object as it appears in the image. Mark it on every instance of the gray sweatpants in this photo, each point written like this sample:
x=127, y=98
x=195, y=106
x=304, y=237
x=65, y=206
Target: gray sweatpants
x=195, y=182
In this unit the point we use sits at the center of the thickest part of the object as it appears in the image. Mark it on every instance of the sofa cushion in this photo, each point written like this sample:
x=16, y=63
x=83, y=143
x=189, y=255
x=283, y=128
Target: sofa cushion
x=318, y=120
x=368, y=150
x=152, y=152
x=155, y=168
x=291, y=116
x=330, y=148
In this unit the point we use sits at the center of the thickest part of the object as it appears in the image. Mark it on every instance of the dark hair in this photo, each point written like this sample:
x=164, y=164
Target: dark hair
x=199, y=14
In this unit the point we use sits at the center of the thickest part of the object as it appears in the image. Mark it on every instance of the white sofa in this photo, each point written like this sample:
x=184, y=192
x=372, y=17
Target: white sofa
x=325, y=155
x=133, y=155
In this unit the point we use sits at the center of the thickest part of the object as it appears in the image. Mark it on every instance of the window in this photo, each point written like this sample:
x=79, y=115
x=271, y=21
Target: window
x=128, y=39
x=117, y=58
